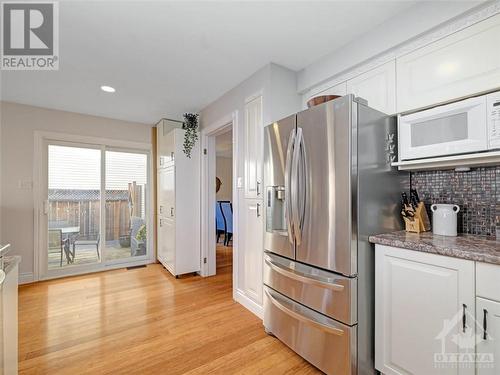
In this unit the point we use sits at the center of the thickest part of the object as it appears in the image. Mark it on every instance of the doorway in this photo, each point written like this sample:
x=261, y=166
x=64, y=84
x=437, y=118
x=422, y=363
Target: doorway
x=225, y=133
x=224, y=201
x=95, y=212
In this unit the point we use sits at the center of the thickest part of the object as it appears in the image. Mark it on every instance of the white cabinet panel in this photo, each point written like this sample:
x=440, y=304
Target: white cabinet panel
x=325, y=89
x=252, y=233
x=378, y=86
x=459, y=65
x=9, y=329
x=487, y=281
x=421, y=300
x=166, y=190
x=165, y=142
x=340, y=90
x=488, y=335
x=253, y=148
x=168, y=227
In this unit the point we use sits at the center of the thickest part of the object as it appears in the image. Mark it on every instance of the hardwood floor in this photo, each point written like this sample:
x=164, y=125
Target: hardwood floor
x=144, y=321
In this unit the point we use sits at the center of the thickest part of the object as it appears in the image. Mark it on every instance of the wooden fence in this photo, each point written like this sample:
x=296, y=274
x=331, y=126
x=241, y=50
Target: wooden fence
x=85, y=214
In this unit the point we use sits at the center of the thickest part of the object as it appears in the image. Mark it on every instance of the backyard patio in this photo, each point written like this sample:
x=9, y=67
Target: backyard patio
x=88, y=255
x=75, y=226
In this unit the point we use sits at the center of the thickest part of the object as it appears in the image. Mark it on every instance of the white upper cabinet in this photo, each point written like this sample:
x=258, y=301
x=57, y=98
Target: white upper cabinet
x=165, y=143
x=377, y=86
x=459, y=65
x=253, y=148
x=339, y=89
x=424, y=309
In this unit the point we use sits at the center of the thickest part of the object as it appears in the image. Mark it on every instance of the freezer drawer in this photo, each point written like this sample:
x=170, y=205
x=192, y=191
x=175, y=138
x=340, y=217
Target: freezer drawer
x=328, y=293
x=325, y=343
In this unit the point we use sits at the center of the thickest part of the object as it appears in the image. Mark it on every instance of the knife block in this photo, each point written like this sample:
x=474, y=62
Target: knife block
x=412, y=225
x=421, y=214
x=420, y=222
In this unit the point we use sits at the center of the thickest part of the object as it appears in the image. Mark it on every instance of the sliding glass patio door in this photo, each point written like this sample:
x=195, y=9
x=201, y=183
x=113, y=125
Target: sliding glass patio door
x=126, y=209
x=96, y=212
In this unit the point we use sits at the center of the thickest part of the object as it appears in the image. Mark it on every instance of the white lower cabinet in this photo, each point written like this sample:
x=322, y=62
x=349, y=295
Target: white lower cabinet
x=488, y=336
x=252, y=235
x=424, y=312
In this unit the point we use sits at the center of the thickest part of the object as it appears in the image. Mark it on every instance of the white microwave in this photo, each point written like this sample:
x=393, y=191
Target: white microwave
x=468, y=126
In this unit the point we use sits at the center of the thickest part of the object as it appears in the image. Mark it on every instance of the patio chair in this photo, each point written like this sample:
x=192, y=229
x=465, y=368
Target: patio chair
x=56, y=240
x=87, y=240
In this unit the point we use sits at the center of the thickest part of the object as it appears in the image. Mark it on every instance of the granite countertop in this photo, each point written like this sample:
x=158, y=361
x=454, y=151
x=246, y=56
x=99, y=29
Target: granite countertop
x=465, y=246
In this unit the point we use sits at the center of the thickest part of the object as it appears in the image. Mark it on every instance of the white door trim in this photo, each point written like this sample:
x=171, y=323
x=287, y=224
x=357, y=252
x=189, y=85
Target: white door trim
x=40, y=139
x=208, y=246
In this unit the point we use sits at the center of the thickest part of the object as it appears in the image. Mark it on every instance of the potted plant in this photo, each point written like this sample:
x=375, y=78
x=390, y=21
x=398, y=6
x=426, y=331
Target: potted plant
x=190, y=125
x=125, y=240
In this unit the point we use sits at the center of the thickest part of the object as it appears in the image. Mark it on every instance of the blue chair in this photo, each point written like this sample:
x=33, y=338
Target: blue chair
x=220, y=223
x=227, y=211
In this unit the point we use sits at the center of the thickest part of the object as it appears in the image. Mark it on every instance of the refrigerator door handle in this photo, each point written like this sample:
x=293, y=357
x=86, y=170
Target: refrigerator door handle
x=304, y=279
x=295, y=186
x=303, y=319
x=288, y=197
x=302, y=183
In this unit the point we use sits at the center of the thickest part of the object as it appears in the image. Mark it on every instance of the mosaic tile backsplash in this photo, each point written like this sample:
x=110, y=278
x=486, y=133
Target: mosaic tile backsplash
x=474, y=191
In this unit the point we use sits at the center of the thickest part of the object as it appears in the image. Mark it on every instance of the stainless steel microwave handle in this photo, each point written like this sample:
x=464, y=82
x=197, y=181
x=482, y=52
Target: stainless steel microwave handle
x=302, y=278
x=294, y=189
x=286, y=310
x=288, y=200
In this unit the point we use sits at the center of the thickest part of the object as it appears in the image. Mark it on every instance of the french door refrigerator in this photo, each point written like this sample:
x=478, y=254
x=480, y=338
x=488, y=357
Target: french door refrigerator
x=329, y=185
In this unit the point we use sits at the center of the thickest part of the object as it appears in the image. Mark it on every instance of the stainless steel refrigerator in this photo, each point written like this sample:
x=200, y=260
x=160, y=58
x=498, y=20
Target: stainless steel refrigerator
x=329, y=185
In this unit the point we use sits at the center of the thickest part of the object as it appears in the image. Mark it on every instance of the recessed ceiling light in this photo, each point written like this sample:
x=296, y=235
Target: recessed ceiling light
x=108, y=89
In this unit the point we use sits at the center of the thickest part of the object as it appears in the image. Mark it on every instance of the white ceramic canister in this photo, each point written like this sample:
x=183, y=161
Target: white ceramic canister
x=444, y=219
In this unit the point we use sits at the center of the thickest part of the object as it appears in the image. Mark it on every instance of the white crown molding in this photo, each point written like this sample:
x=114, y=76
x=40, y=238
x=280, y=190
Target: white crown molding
x=411, y=45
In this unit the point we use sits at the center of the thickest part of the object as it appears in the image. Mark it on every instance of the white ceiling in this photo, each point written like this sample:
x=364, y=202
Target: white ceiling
x=165, y=58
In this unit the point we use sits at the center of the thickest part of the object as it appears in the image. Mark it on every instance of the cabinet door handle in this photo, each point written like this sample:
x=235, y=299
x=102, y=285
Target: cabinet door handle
x=171, y=211
x=485, y=325
x=161, y=209
x=464, y=317
x=172, y=155
x=161, y=223
x=258, y=188
x=258, y=209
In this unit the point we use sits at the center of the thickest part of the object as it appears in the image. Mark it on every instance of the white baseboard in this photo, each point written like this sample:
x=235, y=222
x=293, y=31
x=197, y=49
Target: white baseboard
x=26, y=277
x=248, y=303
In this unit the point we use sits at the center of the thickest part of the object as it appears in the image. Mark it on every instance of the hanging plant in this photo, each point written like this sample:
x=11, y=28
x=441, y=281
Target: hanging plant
x=190, y=125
